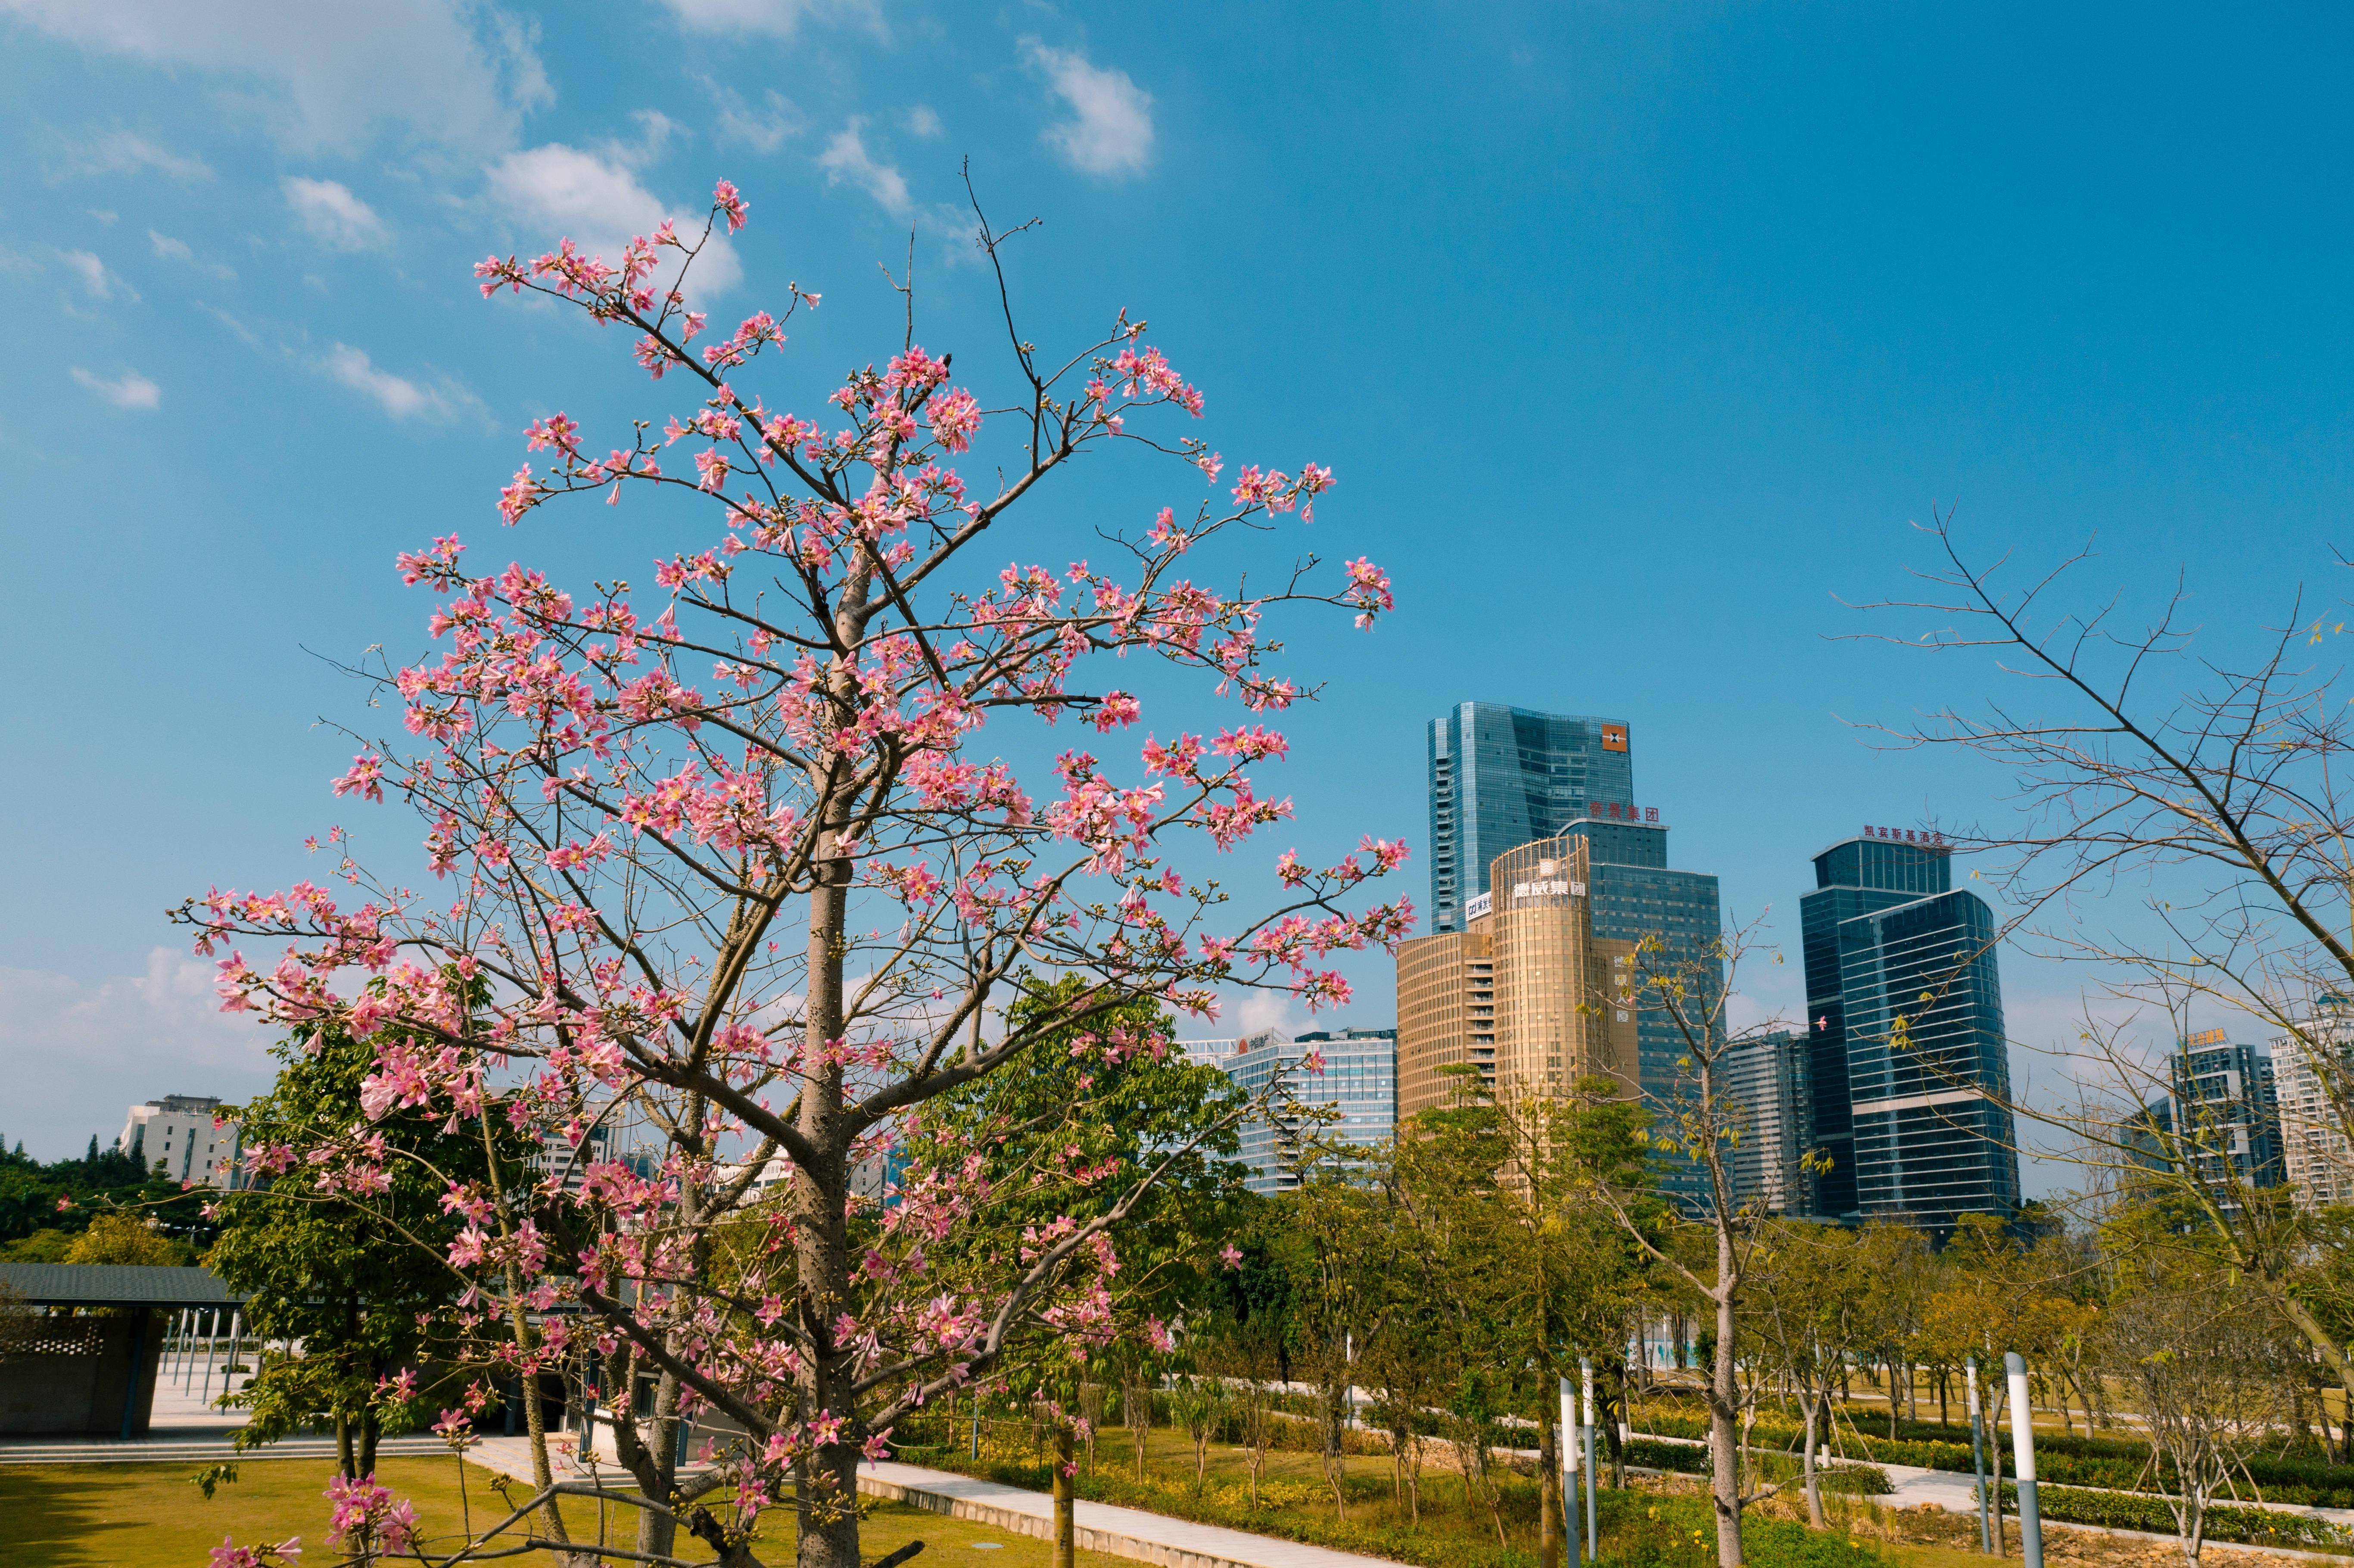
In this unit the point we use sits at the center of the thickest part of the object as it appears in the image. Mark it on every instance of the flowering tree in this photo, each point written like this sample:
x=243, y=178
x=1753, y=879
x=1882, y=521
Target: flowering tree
x=738, y=866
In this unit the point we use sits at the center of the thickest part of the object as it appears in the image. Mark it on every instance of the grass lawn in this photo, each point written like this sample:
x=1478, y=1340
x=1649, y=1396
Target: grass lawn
x=149, y=1516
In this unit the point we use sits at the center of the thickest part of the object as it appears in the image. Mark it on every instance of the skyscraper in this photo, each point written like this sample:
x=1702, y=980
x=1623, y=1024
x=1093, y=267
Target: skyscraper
x=1503, y=777
x=1637, y=895
x=1767, y=1077
x=1523, y=995
x=1909, y=1061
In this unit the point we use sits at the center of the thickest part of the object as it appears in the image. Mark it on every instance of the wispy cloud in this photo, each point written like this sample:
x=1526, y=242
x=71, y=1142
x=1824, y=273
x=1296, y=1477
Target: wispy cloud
x=763, y=129
x=1110, y=130
x=447, y=72
x=922, y=121
x=846, y=160
x=557, y=190
x=396, y=395
x=74, y=1052
x=98, y=281
x=128, y=390
x=334, y=215
x=771, y=18
x=128, y=152
x=172, y=249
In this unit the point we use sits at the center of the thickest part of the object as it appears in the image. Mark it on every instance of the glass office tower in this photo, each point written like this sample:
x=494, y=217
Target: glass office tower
x=1503, y=777
x=1901, y=1084
x=1635, y=895
x=1359, y=1082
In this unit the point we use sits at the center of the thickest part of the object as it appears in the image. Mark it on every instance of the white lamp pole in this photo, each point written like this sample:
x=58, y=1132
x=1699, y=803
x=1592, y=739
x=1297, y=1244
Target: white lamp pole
x=2022, y=1442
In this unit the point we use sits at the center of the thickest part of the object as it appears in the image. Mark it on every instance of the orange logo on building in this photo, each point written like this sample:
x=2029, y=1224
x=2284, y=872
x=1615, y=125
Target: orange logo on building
x=1613, y=737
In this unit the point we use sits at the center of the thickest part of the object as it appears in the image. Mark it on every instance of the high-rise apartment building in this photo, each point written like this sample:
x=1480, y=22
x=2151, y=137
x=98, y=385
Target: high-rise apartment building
x=1766, y=1077
x=1503, y=777
x=2225, y=1101
x=2311, y=1078
x=1358, y=1084
x=176, y=1133
x=1909, y=1069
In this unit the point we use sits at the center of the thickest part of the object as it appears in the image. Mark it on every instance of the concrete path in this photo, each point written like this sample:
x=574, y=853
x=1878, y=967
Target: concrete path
x=1101, y=1527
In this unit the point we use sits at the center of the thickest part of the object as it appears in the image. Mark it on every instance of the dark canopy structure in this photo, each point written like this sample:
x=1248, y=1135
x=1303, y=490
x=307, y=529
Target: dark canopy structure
x=80, y=1344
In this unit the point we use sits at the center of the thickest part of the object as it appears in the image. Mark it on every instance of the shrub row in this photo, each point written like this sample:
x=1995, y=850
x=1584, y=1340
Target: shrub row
x=2135, y=1510
x=2067, y=1460
x=1831, y=1476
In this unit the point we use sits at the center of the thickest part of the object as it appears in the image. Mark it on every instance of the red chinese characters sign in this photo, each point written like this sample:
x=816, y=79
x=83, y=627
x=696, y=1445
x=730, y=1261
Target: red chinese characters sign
x=1907, y=836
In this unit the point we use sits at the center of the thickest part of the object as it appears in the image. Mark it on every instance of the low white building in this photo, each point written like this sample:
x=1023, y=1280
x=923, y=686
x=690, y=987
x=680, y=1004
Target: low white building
x=176, y=1133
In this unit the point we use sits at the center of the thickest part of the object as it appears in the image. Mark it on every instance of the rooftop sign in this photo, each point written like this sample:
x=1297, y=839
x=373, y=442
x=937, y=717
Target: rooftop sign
x=1908, y=836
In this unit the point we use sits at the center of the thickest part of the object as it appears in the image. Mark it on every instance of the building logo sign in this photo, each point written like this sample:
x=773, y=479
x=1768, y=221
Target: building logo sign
x=1478, y=906
x=1613, y=737
x=1554, y=887
x=2205, y=1037
x=1907, y=836
x=1620, y=811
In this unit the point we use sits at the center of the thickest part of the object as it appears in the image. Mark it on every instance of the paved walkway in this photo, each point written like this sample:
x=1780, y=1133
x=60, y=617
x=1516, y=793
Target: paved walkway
x=1101, y=1527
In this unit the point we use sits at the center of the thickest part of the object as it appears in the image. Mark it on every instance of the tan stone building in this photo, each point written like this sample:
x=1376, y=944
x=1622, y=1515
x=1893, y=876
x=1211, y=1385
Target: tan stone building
x=1526, y=993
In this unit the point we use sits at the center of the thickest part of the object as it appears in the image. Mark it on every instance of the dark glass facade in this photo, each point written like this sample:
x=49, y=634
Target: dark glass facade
x=1858, y=877
x=1926, y=1051
x=1503, y=777
x=1634, y=895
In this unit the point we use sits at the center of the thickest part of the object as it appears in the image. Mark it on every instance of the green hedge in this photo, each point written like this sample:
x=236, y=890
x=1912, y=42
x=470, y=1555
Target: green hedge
x=2136, y=1511
x=1831, y=1475
x=2100, y=1462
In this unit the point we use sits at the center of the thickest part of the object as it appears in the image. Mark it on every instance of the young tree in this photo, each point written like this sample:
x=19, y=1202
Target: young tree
x=357, y=1279
x=741, y=857
x=1695, y=1119
x=1809, y=1315
x=1106, y=1117
x=2201, y=1359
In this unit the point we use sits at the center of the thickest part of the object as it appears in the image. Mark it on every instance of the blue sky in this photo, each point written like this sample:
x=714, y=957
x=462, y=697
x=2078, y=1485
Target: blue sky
x=1636, y=336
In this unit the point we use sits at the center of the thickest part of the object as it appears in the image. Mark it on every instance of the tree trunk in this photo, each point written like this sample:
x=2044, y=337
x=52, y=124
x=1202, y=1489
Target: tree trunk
x=1067, y=1512
x=1549, y=1539
x=1814, y=1492
x=1724, y=1476
x=344, y=1447
x=828, y=1500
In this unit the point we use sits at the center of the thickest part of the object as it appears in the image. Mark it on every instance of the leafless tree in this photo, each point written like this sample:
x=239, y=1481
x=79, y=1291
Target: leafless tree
x=2183, y=830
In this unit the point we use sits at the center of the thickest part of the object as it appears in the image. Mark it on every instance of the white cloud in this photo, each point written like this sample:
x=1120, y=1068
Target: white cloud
x=556, y=191
x=97, y=281
x=395, y=395
x=452, y=72
x=129, y=390
x=764, y=129
x=774, y=18
x=1112, y=131
x=332, y=214
x=172, y=249
x=923, y=121
x=77, y=1054
x=127, y=153
x=846, y=158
